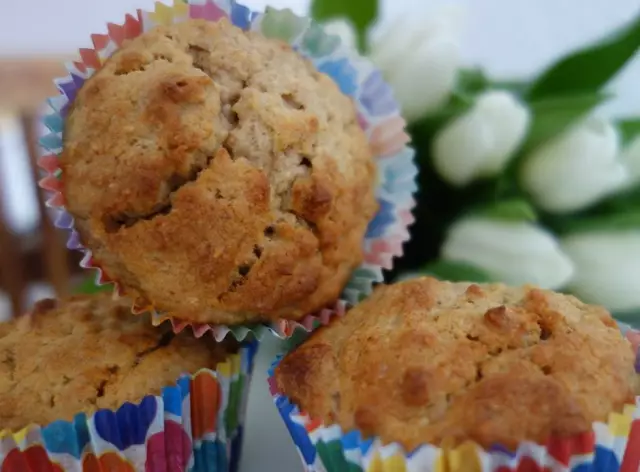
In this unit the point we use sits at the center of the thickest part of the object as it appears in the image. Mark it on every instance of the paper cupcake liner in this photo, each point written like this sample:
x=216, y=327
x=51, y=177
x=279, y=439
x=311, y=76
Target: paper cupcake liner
x=613, y=446
x=194, y=425
x=377, y=111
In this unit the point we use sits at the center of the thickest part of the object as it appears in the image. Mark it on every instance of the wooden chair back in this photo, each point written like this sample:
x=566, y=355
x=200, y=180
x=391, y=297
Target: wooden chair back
x=41, y=255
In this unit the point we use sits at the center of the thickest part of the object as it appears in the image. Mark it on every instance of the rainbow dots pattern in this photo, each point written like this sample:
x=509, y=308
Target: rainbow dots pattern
x=613, y=446
x=194, y=425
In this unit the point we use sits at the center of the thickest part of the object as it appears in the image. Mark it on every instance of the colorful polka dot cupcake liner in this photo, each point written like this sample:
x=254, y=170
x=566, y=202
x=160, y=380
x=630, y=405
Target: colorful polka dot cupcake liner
x=195, y=425
x=378, y=115
x=613, y=446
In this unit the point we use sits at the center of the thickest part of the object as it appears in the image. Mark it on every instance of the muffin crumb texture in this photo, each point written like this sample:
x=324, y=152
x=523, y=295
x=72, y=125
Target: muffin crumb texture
x=218, y=175
x=425, y=361
x=89, y=353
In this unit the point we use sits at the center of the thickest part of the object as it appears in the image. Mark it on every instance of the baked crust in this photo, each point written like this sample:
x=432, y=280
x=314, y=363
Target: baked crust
x=216, y=174
x=425, y=361
x=88, y=353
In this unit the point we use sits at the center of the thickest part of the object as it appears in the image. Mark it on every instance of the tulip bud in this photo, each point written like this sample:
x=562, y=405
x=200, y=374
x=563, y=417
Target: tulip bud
x=342, y=28
x=576, y=169
x=607, y=267
x=419, y=58
x=513, y=252
x=480, y=142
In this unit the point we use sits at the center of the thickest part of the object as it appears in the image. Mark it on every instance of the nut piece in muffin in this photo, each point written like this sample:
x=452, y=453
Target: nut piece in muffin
x=87, y=353
x=431, y=362
x=215, y=174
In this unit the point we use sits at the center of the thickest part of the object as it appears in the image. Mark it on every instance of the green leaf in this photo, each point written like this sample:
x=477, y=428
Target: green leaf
x=457, y=104
x=89, y=287
x=474, y=81
x=551, y=116
x=362, y=13
x=455, y=272
x=613, y=222
x=590, y=68
x=623, y=202
x=471, y=81
x=629, y=129
x=510, y=210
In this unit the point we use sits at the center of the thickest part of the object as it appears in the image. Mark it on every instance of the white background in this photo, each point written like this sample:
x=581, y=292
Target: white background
x=510, y=38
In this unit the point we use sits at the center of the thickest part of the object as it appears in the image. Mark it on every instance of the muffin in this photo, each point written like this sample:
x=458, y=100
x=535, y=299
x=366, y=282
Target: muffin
x=215, y=174
x=88, y=353
x=440, y=363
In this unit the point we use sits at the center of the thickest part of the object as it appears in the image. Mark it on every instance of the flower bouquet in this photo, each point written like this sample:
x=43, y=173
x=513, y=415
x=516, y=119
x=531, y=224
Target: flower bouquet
x=521, y=181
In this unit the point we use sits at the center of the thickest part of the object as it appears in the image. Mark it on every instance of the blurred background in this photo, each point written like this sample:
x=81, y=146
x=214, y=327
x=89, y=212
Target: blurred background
x=507, y=39
x=466, y=72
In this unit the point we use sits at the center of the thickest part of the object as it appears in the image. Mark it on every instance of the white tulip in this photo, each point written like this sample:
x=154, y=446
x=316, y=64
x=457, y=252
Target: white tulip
x=607, y=267
x=480, y=142
x=631, y=159
x=512, y=252
x=576, y=169
x=419, y=57
x=342, y=28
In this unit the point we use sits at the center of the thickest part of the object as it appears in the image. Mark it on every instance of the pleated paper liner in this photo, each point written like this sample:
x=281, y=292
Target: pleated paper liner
x=613, y=446
x=378, y=114
x=195, y=425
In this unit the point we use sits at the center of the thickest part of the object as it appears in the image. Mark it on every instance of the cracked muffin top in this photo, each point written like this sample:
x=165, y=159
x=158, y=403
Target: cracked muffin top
x=88, y=353
x=436, y=362
x=215, y=174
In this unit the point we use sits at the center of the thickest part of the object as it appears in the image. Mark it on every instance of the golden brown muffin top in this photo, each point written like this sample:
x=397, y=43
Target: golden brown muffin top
x=215, y=173
x=88, y=353
x=425, y=361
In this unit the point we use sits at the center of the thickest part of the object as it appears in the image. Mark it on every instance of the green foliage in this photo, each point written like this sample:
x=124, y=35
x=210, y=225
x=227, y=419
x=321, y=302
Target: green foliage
x=552, y=116
x=624, y=221
x=619, y=212
x=455, y=272
x=629, y=129
x=562, y=95
x=474, y=81
x=514, y=210
x=362, y=13
x=588, y=69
